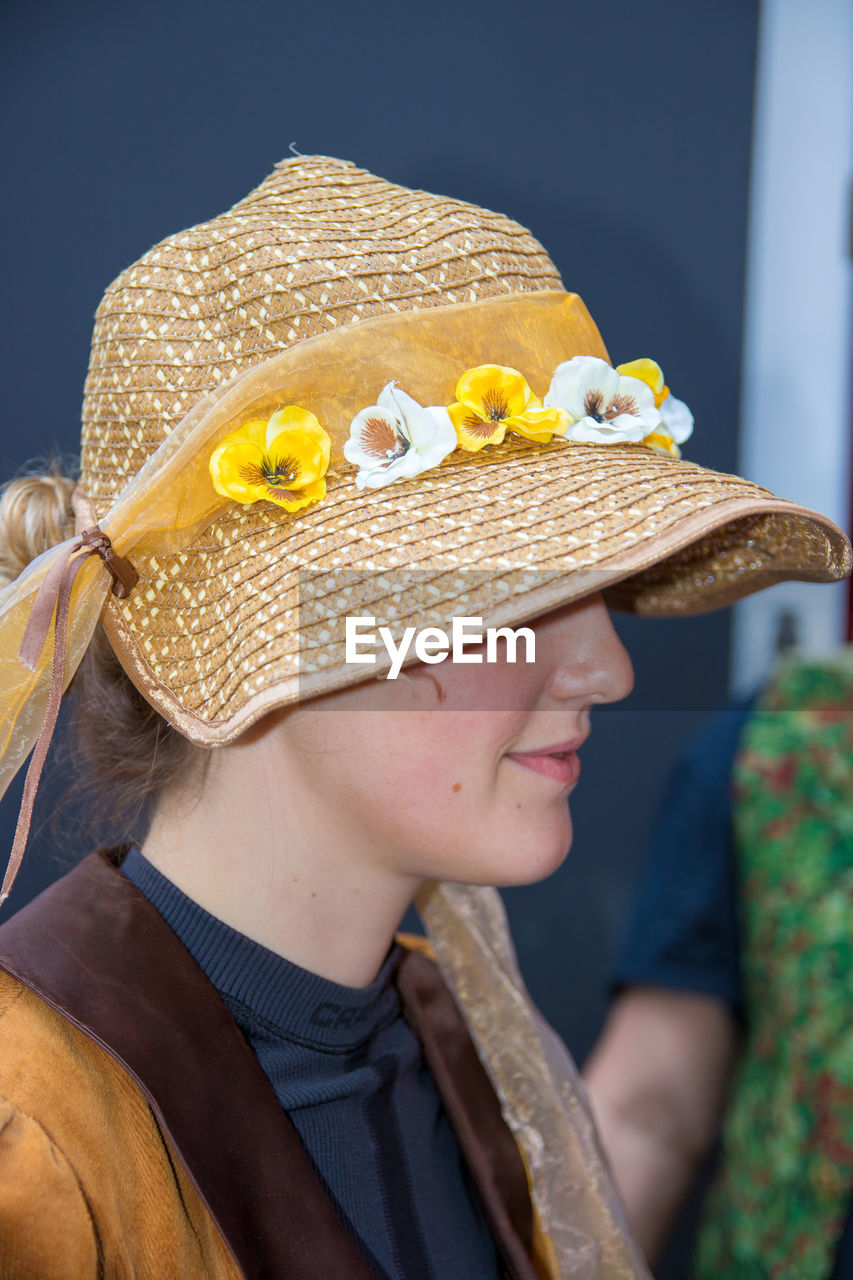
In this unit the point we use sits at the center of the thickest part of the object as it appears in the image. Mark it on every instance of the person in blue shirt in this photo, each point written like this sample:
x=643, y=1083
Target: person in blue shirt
x=687, y=1032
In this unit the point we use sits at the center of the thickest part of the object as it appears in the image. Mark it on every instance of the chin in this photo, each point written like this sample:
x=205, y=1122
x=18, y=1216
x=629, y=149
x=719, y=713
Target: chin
x=534, y=871
x=530, y=859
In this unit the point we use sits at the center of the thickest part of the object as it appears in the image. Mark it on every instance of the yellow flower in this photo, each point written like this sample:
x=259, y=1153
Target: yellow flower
x=491, y=400
x=662, y=442
x=283, y=460
x=650, y=373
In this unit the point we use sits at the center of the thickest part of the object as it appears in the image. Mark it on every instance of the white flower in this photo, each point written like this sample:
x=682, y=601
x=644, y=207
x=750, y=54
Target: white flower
x=676, y=425
x=677, y=418
x=606, y=407
x=397, y=438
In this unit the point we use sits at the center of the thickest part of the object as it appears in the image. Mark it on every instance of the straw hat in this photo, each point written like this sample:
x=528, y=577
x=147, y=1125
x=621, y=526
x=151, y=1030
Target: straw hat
x=317, y=290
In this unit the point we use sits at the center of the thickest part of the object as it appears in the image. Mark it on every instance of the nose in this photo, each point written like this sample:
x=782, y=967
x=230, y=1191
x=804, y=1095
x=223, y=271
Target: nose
x=589, y=661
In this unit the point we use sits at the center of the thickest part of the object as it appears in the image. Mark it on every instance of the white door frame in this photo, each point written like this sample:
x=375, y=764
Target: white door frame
x=796, y=378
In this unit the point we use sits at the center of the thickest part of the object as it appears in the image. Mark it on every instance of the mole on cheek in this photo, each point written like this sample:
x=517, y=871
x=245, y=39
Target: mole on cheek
x=457, y=786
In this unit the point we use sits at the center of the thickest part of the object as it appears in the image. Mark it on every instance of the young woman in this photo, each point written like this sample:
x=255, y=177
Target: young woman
x=321, y=431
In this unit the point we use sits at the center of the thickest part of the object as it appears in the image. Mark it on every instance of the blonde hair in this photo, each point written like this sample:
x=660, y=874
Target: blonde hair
x=123, y=752
x=35, y=514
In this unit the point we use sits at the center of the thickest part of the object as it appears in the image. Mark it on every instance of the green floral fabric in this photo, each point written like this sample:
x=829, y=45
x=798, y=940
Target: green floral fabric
x=779, y=1203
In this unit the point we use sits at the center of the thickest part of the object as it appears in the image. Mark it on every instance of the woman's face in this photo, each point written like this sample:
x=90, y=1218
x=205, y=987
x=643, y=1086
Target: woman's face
x=458, y=772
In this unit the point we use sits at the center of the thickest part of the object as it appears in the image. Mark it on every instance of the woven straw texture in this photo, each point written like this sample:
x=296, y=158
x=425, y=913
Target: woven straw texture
x=246, y=618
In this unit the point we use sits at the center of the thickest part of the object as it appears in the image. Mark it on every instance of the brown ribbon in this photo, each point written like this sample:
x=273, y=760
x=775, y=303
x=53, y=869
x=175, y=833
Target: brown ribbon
x=54, y=597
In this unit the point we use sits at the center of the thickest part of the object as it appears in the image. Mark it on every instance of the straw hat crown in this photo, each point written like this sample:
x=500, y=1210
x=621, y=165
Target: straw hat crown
x=319, y=244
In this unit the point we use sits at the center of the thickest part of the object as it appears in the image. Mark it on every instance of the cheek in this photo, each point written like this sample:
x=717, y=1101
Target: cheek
x=416, y=774
x=434, y=756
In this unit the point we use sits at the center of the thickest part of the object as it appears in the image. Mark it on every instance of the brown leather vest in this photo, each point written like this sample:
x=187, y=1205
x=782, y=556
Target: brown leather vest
x=95, y=951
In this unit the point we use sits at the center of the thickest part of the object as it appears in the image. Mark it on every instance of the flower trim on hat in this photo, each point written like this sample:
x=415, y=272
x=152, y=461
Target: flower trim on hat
x=397, y=438
x=283, y=460
x=588, y=402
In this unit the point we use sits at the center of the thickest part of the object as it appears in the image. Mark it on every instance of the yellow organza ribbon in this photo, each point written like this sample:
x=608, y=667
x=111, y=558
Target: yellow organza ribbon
x=581, y=1226
x=581, y=1229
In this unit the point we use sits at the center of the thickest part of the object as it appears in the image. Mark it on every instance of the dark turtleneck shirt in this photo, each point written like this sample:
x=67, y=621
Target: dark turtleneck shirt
x=348, y=1070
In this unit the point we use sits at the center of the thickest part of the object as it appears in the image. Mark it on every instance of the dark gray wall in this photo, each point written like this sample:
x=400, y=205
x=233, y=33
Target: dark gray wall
x=619, y=133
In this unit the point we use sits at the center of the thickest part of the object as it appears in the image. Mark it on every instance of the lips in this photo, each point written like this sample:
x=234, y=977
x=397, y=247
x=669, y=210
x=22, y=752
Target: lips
x=560, y=762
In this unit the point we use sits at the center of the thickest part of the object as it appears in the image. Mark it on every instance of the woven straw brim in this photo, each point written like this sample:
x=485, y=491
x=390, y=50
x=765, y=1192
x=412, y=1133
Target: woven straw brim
x=250, y=616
